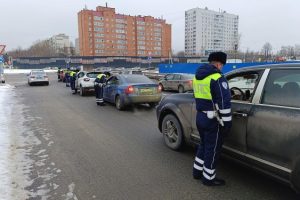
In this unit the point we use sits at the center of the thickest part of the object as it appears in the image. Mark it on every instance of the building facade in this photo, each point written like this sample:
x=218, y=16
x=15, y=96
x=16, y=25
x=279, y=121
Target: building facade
x=207, y=31
x=103, y=32
x=61, y=43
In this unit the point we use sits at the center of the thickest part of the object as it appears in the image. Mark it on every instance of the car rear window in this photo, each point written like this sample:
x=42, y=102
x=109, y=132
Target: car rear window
x=137, y=79
x=92, y=74
x=38, y=73
x=188, y=76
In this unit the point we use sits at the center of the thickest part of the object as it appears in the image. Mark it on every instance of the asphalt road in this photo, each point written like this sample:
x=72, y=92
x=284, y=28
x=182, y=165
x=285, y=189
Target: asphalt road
x=92, y=152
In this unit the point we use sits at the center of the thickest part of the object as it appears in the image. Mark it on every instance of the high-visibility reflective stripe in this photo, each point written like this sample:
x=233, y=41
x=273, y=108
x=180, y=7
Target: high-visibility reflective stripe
x=202, y=87
x=208, y=177
x=198, y=167
x=225, y=111
x=199, y=160
x=227, y=119
x=210, y=171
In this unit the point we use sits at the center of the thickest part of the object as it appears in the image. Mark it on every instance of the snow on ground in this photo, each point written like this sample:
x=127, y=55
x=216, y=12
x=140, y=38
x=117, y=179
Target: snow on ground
x=23, y=71
x=24, y=172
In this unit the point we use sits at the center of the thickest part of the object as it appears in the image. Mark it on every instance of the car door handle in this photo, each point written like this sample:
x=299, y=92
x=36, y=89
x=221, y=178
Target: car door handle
x=240, y=114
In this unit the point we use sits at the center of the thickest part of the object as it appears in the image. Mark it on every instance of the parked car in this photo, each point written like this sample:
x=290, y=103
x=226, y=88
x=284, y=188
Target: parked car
x=85, y=81
x=2, y=77
x=133, y=72
x=266, y=120
x=123, y=90
x=38, y=77
x=177, y=82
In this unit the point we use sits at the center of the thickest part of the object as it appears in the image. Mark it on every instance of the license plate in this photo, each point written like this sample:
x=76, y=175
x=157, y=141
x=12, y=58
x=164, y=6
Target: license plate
x=39, y=77
x=146, y=91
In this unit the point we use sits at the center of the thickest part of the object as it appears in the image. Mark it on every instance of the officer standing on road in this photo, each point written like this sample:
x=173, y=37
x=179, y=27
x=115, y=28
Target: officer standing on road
x=98, y=85
x=212, y=96
x=72, y=80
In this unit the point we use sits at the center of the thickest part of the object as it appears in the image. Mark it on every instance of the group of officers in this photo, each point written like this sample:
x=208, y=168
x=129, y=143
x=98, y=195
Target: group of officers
x=212, y=96
x=70, y=78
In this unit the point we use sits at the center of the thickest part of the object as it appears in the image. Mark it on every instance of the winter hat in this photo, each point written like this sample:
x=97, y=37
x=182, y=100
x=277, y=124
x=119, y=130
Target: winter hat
x=218, y=56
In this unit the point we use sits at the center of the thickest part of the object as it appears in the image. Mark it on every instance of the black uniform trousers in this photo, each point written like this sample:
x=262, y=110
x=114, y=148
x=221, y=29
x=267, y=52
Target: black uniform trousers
x=212, y=137
x=99, y=93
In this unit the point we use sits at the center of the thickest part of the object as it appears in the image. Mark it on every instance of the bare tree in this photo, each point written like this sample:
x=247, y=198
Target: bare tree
x=267, y=50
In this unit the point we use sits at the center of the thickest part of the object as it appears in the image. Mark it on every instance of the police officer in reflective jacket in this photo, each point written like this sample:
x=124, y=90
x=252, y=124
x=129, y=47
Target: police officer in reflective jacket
x=212, y=96
x=98, y=85
x=72, y=81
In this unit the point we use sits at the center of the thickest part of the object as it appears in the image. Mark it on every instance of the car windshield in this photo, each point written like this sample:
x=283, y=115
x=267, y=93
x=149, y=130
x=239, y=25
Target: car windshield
x=39, y=73
x=137, y=79
x=93, y=74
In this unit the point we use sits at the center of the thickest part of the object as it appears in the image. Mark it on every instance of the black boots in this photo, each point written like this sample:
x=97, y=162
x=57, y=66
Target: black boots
x=214, y=182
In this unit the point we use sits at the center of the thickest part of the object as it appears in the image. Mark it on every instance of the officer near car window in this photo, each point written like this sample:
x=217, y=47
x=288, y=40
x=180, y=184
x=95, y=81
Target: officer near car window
x=98, y=85
x=67, y=75
x=72, y=81
x=212, y=96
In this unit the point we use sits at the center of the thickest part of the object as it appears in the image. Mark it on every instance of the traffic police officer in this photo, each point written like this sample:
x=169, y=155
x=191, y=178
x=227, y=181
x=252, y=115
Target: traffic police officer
x=212, y=96
x=72, y=80
x=98, y=85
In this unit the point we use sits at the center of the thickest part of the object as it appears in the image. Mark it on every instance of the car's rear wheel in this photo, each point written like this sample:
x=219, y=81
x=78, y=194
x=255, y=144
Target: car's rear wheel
x=119, y=104
x=3, y=81
x=172, y=132
x=81, y=91
x=180, y=89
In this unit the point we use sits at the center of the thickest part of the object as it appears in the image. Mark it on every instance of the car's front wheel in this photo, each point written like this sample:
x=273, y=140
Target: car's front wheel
x=172, y=132
x=180, y=89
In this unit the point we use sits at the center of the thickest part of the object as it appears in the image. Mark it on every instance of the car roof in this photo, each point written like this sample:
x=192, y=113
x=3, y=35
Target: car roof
x=267, y=66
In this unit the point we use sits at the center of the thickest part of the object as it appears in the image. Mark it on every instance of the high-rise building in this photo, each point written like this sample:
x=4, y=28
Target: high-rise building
x=207, y=31
x=103, y=32
x=61, y=43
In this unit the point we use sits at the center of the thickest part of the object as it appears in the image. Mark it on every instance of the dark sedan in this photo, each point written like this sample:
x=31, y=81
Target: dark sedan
x=128, y=89
x=266, y=120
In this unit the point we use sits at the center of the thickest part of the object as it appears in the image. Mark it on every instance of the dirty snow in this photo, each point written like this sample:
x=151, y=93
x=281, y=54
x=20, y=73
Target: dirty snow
x=22, y=154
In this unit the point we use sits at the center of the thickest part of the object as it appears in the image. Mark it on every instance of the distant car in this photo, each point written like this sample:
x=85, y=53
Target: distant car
x=85, y=81
x=265, y=133
x=177, y=82
x=38, y=77
x=2, y=77
x=133, y=72
x=128, y=89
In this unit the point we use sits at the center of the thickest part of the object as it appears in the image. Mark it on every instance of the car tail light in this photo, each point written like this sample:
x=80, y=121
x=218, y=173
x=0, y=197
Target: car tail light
x=129, y=90
x=190, y=82
x=159, y=88
x=86, y=79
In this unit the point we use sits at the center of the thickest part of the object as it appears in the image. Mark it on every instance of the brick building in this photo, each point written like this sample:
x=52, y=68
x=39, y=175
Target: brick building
x=105, y=33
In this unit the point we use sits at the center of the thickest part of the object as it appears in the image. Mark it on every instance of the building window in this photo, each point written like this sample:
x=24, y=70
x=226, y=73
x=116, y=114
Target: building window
x=121, y=36
x=142, y=47
x=98, y=24
x=98, y=18
x=97, y=29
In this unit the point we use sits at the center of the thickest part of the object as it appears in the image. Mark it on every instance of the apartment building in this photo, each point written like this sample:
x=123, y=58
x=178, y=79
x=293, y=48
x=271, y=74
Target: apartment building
x=207, y=31
x=103, y=32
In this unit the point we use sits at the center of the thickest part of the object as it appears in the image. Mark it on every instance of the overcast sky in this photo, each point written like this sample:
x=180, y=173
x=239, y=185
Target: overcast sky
x=260, y=21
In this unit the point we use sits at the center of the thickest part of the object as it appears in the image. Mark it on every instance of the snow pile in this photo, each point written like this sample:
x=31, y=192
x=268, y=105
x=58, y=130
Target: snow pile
x=24, y=71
